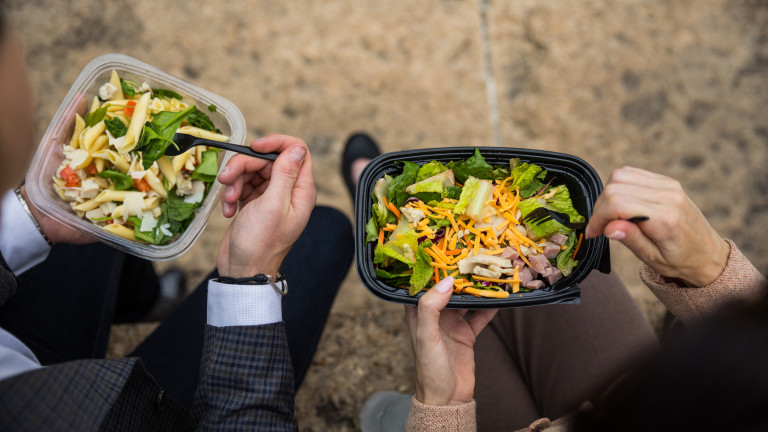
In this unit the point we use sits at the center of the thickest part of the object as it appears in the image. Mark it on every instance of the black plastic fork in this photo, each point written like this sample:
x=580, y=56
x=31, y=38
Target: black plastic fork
x=542, y=214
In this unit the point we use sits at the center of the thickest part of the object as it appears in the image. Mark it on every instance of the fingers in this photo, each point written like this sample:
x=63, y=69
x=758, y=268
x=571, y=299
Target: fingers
x=480, y=319
x=285, y=172
x=623, y=201
x=431, y=303
x=239, y=165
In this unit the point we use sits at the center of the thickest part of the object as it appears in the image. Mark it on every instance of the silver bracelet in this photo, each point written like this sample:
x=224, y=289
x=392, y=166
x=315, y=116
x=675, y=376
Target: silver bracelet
x=29, y=212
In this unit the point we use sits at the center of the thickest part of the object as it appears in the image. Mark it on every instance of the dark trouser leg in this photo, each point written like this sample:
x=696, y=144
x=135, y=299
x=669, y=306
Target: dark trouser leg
x=64, y=307
x=314, y=267
x=546, y=361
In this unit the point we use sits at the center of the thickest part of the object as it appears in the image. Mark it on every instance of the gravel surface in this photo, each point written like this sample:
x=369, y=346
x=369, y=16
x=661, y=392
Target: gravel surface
x=675, y=87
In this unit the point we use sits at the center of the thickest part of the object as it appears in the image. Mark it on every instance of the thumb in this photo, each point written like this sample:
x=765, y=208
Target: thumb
x=432, y=302
x=631, y=236
x=285, y=171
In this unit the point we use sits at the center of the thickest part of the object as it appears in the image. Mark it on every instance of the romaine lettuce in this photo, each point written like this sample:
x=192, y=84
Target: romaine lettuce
x=467, y=192
x=562, y=202
x=429, y=170
x=474, y=166
x=528, y=177
x=371, y=232
x=422, y=269
x=396, y=192
x=564, y=262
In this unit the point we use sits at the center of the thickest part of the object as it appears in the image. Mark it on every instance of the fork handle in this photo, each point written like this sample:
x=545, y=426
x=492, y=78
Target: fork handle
x=236, y=148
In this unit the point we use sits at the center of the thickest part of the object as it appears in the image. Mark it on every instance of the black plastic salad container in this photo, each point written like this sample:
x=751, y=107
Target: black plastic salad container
x=583, y=183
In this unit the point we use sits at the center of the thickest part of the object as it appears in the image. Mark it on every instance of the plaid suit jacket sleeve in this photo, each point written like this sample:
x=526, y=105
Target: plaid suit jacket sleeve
x=246, y=380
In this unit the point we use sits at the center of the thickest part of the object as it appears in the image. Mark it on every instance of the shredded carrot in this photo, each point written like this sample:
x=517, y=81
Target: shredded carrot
x=486, y=293
x=437, y=276
x=578, y=245
x=487, y=279
x=450, y=252
x=381, y=236
x=463, y=255
x=394, y=210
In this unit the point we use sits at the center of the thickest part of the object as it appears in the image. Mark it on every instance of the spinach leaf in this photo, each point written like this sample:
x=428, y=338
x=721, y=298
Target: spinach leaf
x=200, y=120
x=128, y=89
x=116, y=127
x=95, y=117
x=212, y=108
x=452, y=192
x=121, y=181
x=161, y=93
x=158, y=134
x=208, y=168
x=178, y=210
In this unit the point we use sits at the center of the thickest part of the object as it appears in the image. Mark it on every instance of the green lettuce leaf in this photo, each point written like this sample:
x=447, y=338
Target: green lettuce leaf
x=429, y=170
x=562, y=202
x=468, y=191
x=371, y=230
x=528, y=177
x=474, y=166
x=394, y=248
x=179, y=213
x=452, y=192
x=435, y=185
x=544, y=229
x=119, y=180
x=422, y=269
x=208, y=167
x=564, y=262
x=396, y=193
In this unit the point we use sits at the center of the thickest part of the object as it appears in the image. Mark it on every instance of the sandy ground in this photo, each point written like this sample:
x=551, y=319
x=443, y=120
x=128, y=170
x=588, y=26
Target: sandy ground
x=679, y=88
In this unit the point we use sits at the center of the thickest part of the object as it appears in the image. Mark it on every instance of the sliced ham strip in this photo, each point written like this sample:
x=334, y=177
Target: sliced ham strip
x=539, y=263
x=510, y=254
x=558, y=238
x=551, y=249
x=535, y=284
x=555, y=276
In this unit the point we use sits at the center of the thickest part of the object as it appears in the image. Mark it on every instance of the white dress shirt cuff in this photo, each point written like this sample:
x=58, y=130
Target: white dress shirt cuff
x=243, y=305
x=21, y=244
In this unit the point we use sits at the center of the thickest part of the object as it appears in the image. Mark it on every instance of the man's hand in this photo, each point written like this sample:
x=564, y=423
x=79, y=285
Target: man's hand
x=53, y=229
x=442, y=342
x=677, y=241
x=275, y=201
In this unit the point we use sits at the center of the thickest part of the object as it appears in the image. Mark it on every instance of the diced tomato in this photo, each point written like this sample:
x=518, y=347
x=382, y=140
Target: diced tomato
x=92, y=170
x=109, y=221
x=68, y=174
x=129, y=109
x=141, y=185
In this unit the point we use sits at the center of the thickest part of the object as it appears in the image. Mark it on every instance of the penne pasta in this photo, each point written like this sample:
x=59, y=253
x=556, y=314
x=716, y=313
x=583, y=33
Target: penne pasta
x=114, y=79
x=155, y=184
x=115, y=195
x=121, y=230
x=119, y=161
x=74, y=142
x=166, y=167
x=202, y=133
x=103, y=178
x=87, y=205
x=137, y=122
x=91, y=134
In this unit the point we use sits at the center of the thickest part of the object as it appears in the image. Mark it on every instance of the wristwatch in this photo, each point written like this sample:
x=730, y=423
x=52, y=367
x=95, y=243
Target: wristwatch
x=259, y=279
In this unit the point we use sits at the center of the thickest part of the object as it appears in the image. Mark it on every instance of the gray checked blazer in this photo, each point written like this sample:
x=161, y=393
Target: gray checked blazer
x=246, y=383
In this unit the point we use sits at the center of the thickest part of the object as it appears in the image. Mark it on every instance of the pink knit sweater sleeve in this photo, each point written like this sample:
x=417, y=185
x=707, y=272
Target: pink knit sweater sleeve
x=451, y=418
x=739, y=280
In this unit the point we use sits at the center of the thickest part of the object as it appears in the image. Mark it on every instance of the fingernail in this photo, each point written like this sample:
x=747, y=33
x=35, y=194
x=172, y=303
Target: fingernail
x=617, y=235
x=260, y=140
x=586, y=232
x=298, y=154
x=444, y=285
x=228, y=191
x=227, y=207
x=225, y=171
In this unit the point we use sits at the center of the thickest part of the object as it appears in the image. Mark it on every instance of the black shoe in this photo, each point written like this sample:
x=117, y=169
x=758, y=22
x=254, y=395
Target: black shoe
x=358, y=146
x=173, y=288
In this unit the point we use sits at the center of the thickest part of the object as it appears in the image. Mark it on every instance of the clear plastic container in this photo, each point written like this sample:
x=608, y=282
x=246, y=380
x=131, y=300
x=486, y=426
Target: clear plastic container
x=49, y=154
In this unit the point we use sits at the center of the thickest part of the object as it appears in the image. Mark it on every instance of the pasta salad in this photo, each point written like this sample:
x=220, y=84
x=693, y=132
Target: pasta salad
x=463, y=219
x=115, y=174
